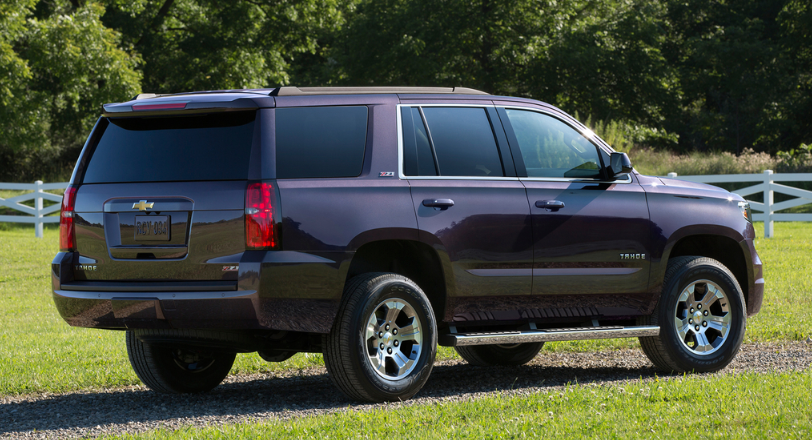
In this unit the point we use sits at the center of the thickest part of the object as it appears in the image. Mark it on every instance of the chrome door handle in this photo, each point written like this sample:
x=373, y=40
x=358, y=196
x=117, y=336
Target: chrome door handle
x=443, y=204
x=553, y=205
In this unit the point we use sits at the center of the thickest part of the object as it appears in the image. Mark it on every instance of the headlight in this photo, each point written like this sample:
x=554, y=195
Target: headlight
x=744, y=207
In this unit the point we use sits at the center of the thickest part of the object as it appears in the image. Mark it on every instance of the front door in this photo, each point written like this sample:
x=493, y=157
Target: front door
x=590, y=235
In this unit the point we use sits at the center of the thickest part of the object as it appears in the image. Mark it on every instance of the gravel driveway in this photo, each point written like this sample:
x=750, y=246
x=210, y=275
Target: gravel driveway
x=309, y=392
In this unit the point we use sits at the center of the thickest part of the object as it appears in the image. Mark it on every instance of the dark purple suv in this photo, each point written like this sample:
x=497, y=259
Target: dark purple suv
x=372, y=224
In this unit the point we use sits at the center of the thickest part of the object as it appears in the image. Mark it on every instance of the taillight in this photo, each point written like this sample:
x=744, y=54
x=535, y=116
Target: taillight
x=67, y=233
x=259, y=224
x=165, y=106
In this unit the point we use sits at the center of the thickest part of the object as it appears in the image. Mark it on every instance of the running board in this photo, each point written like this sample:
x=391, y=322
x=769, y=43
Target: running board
x=547, y=335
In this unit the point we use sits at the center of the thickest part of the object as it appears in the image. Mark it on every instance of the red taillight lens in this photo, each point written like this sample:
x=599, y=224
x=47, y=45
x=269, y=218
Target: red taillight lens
x=259, y=225
x=67, y=234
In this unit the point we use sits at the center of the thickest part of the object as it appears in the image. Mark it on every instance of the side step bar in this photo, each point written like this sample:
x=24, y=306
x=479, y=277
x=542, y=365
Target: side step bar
x=547, y=335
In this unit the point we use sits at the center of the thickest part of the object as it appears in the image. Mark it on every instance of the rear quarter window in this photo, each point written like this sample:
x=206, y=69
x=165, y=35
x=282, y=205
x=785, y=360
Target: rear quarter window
x=313, y=142
x=179, y=148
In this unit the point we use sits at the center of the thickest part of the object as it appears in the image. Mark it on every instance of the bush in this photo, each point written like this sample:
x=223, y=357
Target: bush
x=660, y=163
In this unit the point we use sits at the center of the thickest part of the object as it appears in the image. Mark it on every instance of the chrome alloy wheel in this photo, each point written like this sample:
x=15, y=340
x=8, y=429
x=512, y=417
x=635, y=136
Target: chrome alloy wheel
x=702, y=317
x=393, y=339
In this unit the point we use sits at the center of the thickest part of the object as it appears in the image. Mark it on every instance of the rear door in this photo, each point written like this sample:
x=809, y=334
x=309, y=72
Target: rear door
x=469, y=205
x=591, y=236
x=162, y=198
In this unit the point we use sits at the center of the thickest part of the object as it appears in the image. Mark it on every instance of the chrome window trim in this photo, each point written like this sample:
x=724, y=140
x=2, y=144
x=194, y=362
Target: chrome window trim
x=587, y=133
x=628, y=178
x=401, y=176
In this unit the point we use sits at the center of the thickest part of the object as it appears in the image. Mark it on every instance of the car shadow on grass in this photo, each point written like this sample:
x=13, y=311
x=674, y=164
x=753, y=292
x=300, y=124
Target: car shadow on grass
x=280, y=397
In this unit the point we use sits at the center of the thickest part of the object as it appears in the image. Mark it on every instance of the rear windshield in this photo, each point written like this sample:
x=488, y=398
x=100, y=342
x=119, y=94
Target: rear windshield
x=180, y=148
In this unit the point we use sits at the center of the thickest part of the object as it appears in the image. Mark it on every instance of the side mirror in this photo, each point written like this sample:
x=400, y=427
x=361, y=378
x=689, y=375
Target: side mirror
x=619, y=163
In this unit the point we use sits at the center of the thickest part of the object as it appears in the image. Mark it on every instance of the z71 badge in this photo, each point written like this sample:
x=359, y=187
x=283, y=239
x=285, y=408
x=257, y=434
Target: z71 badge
x=231, y=268
x=387, y=174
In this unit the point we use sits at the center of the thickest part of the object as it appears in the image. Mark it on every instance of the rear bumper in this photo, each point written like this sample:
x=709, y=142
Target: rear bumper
x=288, y=291
x=235, y=310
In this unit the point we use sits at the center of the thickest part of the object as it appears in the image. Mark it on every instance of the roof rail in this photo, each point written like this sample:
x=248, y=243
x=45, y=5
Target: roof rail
x=300, y=91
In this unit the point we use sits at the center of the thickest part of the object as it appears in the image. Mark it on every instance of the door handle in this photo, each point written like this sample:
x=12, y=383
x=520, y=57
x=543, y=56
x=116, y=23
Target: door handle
x=443, y=204
x=553, y=205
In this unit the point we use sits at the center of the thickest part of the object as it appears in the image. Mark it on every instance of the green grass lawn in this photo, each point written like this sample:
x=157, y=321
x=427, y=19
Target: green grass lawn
x=727, y=406
x=41, y=353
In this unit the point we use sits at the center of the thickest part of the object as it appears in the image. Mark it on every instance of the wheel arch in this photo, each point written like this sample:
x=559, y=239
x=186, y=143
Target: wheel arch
x=723, y=248
x=411, y=258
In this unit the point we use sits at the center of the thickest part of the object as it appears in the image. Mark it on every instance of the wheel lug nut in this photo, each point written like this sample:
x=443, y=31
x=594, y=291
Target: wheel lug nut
x=704, y=323
x=395, y=331
x=389, y=350
x=699, y=307
x=692, y=310
x=397, y=343
x=690, y=321
x=380, y=334
x=387, y=326
x=381, y=345
x=706, y=313
x=696, y=328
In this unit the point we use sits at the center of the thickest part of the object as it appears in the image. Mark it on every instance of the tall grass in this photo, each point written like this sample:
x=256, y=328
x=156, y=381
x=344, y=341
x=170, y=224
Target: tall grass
x=659, y=163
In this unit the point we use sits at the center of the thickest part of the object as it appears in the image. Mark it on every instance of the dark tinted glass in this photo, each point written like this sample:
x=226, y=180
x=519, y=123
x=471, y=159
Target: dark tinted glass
x=210, y=147
x=463, y=141
x=320, y=141
x=551, y=148
x=418, y=159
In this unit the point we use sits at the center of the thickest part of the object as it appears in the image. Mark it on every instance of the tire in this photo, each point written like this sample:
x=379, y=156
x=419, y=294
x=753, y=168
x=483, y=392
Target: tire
x=171, y=370
x=489, y=355
x=697, y=334
x=358, y=356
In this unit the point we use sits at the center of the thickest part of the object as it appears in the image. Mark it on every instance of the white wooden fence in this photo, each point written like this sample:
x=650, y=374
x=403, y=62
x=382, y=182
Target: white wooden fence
x=766, y=185
x=39, y=213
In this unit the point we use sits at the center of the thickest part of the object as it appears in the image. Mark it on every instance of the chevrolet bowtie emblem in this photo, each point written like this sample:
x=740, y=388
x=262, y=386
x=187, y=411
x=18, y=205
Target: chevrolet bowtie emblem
x=142, y=205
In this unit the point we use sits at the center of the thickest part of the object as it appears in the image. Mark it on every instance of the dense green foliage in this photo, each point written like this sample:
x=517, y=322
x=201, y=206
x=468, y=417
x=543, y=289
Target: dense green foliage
x=57, y=65
x=41, y=353
x=686, y=75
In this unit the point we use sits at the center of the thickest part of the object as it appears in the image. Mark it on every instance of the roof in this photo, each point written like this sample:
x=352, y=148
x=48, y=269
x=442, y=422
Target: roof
x=298, y=91
x=257, y=98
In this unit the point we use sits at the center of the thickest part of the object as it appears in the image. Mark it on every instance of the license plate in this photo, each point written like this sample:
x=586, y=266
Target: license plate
x=151, y=228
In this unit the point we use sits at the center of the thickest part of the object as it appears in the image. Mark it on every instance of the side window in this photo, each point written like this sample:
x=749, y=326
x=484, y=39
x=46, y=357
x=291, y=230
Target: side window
x=320, y=141
x=418, y=159
x=463, y=141
x=551, y=148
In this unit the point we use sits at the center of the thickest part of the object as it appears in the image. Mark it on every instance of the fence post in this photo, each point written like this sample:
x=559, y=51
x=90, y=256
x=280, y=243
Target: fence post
x=38, y=208
x=672, y=175
x=768, y=203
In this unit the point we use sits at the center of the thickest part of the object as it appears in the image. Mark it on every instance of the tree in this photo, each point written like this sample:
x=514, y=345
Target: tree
x=731, y=72
x=793, y=113
x=208, y=44
x=607, y=62
x=67, y=64
x=483, y=44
